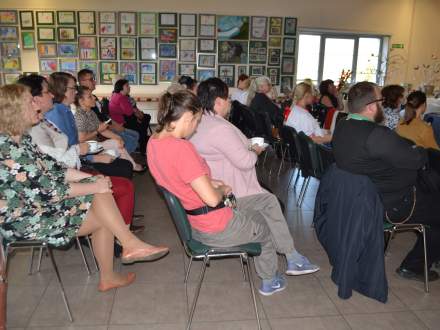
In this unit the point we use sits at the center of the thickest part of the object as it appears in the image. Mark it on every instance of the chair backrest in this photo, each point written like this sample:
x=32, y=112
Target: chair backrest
x=310, y=165
x=287, y=135
x=235, y=116
x=245, y=119
x=264, y=125
x=434, y=120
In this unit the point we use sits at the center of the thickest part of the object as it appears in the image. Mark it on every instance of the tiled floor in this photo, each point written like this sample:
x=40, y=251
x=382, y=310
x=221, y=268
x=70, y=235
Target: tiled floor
x=159, y=299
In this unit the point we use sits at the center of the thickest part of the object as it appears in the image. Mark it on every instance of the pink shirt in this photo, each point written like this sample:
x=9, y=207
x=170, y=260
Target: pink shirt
x=174, y=164
x=119, y=107
x=225, y=149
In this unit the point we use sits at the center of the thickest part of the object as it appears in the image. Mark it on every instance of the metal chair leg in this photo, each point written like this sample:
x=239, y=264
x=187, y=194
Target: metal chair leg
x=251, y=285
x=40, y=258
x=242, y=268
x=196, y=295
x=93, y=252
x=283, y=156
x=304, y=192
x=188, y=270
x=297, y=178
x=301, y=191
x=31, y=262
x=423, y=229
x=63, y=293
x=83, y=256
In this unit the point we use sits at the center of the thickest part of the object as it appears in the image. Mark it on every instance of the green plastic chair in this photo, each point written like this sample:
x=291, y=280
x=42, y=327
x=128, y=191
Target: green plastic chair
x=199, y=251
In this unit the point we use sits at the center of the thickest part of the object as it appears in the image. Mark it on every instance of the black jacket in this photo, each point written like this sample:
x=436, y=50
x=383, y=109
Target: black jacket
x=349, y=224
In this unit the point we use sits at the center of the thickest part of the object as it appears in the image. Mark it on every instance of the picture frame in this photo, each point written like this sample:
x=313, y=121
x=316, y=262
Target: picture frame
x=289, y=45
x=48, y=65
x=233, y=52
x=127, y=23
x=147, y=48
x=275, y=26
x=226, y=73
x=290, y=26
x=107, y=23
x=47, y=50
x=129, y=71
x=232, y=27
x=87, y=48
x=68, y=65
x=128, y=48
x=167, y=35
x=108, y=71
x=11, y=64
x=147, y=73
x=288, y=65
x=45, y=17
x=27, y=40
x=46, y=34
x=187, y=50
x=147, y=24
x=274, y=57
x=186, y=69
x=242, y=69
x=27, y=20
x=257, y=70
x=259, y=27
x=257, y=52
x=206, y=61
x=10, y=78
x=274, y=75
x=207, y=45
x=91, y=65
x=275, y=42
x=167, y=20
x=168, y=50
x=66, y=33
x=67, y=49
x=286, y=84
x=9, y=49
x=187, y=25
x=66, y=17
x=8, y=33
x=8, y=17
x=204, y=74
x=108, y=48
x=167, y=70
x=207, y=25
x=86, y=22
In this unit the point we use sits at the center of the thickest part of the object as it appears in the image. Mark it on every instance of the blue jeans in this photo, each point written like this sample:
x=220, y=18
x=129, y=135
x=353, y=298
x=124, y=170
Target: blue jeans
x=130, y=138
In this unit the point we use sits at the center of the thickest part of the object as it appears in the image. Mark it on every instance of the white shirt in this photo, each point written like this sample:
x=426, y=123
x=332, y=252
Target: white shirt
x=240, y=96
x=301, y=120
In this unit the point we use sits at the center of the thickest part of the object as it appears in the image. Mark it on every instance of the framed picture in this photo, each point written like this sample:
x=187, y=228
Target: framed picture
x=86, y=22
x=207, y=46
x=205, y=74
x=233, y=52
x=275, y=42
x=207, y=25
x=11, y=64
x=129, y=70
x=127, y=46
x=91, y=65
x=27, y=20
x=48, y=65
x=11, y=78
x=47, y=50
x=108, y=49
x=257, y=70
x=28, y=40
x=147, y=24
x=127, y=23
x=87, y=48
x=66, y=33
x=187, y=50
x=274, y=56
x=275, y=26
x=107, y=23
x=46, y=34
x=290, y=26
x=66, y=17
x=206, y=61
x=188, y=25
x=259, y=27
x=187, y=70
x=242, y=69
x=107, y=71
x=168, y=35
x=168, y=50
x=8, y=33
x=274, y=75
x=148, y=74
x=233, y=27
x=289, y=46
x=286, y=84
x=258, y=52
x=9, y=49
x=67, y=50
x=167, y=70
x=8, y=17
x=147, y=48
x=45, y=18
x=68, y=65
x=288, y=65
x=168, y=19
x=226, y=73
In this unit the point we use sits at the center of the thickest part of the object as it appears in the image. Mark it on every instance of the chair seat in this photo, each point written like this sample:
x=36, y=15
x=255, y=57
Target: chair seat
x=198, y=248
x=387, y=225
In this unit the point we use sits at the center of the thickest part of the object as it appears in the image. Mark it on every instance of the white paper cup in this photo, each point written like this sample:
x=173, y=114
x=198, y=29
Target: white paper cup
x=258, y=141
x=93, y=145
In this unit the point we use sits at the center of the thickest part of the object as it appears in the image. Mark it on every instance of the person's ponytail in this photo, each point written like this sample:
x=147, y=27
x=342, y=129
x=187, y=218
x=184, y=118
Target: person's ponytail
x=414, y=101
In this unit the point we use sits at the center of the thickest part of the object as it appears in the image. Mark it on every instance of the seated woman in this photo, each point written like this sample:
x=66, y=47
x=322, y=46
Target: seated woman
x=89, y=128
x=301, y=120
x=330, y=101
x=189, y=83
x=176, y=165
x=123, y=112
x=412, y=126
x=393, y=96
x=62, y=203
x=241, y=93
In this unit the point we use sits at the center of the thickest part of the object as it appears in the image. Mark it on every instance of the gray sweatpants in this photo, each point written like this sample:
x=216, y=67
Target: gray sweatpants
x=258, y=218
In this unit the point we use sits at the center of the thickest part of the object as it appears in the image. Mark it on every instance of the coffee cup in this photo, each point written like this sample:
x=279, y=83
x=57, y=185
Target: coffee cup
x=258, y=141
x=93, y=145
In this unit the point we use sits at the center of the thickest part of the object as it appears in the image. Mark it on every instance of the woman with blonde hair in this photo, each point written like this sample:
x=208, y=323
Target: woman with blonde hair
x=300, y=119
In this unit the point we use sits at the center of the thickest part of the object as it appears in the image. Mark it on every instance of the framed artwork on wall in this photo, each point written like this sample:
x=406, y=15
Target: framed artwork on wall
x=9, y=49
x=67, y=50
x=187, y=50
x=203, y=74
x=259, y=27
x=147, y=24
x=129, y=70
x=168, y=35
x=127, y=23
x=87, y=48
x=28, y=40
x=87, y=22
x=187, y=70
x=257, y=70
x=207, y=46
x=274, y=56
x=233, y=27
x=286, y=84
x=188, y=25
x=107, y=23
x=288, y=65
x=233, y=52
x=147, y=48
x=46, y=34
x=11, y=64
x=289, y=46
x=275, y=42
x=66, y=33
x=68, y=65
x=275, y=26
x=168, y=19
x=45, y=18
x=47, y=50
x=8, y=33
x=10, y=78
x=168, y=50
x=206, y=61
x=290, y=26
x=258, y=52
x=107, y=72
x=148, y=74
x=27, y=20
x=108, y=48
x=8, y=17
x=128, y=48
x=48, y=65
x=91, y=65
x=242, y=69
x=274, y=75
x=66, y=17
x=207, y=25
x=167, y=70
x=226, y=73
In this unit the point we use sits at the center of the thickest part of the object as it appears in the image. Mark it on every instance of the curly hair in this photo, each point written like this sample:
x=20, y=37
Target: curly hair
x=12, y=109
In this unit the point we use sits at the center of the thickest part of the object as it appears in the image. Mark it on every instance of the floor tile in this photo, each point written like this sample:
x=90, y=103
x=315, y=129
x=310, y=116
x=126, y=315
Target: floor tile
x=71, y=327
x=430, y=318
x=310, y=323
x=22, y=302
x=231, y=325
x=385, y=321
x=157, y=326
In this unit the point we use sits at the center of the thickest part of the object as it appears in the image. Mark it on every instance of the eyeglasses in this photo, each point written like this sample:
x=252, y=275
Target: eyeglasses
x=74, y=88
x=375, y=101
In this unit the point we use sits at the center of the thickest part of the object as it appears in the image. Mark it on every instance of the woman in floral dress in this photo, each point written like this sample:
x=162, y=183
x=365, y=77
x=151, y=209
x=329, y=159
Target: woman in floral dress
x=41, y=200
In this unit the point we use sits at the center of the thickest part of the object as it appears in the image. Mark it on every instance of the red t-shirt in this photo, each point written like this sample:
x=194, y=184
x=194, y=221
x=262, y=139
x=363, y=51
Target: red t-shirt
x=174, y=164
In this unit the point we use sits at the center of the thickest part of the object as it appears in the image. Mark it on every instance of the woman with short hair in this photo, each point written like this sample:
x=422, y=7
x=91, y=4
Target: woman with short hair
x=393, y=96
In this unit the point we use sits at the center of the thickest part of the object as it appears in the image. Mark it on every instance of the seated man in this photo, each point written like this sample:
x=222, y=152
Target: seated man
x=362, y=146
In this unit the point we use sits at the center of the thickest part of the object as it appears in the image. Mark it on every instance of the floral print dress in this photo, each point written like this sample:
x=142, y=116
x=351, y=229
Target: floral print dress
x=33, y=187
